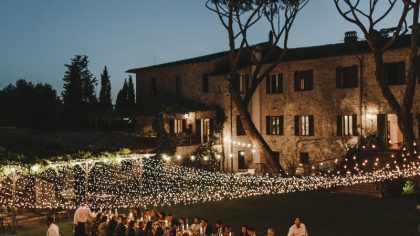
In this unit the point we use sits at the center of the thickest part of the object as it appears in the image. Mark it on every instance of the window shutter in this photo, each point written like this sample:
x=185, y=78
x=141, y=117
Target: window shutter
x=205, y=81
x=211, y=127
x=401, y=72
x=267, y=125
x=354, y=77
x=297, y=82
x=274, y=89
x=355, y=133
x=297, y=133
x=309, y=80
x=339, y=125
x=311, y=126
x=280, y=83
x=381, y=123
x=281, y=125
x=339, y=77
x=267, y=84
x=385, y=73
x=171, y=126
x=246, y=83
x=184, y=125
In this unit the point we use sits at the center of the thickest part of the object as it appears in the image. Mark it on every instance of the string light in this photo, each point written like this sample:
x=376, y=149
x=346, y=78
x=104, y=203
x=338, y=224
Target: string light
x=118, y=183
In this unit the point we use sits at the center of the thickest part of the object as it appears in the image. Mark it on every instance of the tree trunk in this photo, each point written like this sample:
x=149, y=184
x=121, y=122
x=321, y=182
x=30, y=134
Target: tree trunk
x=403, y=112
x=258, y=142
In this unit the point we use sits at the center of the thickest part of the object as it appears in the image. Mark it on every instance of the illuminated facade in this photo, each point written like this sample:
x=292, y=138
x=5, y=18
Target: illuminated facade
x=313, y=104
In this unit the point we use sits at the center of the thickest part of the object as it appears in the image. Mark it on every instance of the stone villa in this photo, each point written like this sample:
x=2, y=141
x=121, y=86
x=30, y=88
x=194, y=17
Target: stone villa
x=314, y=103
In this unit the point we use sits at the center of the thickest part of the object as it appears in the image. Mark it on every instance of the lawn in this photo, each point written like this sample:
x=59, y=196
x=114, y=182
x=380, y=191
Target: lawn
x=323, y=214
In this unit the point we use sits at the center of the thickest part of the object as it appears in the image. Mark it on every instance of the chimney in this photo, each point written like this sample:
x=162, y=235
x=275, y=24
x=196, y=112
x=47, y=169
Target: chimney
x=271, y=37
x=350, y=37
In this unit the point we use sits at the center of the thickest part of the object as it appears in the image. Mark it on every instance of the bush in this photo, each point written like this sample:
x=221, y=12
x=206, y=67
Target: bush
x=409, y=186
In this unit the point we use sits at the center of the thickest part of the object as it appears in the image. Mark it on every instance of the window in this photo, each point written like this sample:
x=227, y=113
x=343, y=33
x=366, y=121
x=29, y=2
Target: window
x=304, y=158
x=303, y=80
x=304, y=125
x=274, y=84
x=205, y=83
x=177, y=126
x=243, y=83
x=347, y=125
x=394, y=73
x=346, y=77
x=153, y=86
x=177, y=84
x=241, y=159
x=239, y=128
x=274, y=125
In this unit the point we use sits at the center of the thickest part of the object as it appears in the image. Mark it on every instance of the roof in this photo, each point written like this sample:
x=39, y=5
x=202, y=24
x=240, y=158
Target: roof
x=293, y=54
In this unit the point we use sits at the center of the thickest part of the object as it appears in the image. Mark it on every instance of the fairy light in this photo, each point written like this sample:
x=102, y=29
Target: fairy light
x=161, y=182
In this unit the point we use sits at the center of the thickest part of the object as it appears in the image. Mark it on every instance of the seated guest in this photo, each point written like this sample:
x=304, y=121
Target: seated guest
x=103, y=226
x=244, y=231
x=206, y=228
x=251, y=232
x=121, y=227
x=219, y=228
x=140, y=229
x=271, y=232
x=131, y=230
x=112, y=225
x=149, y=229
x=96, y=222
x=136, y=213
x=195, y=227
x=227, y=231
x=297, y=229
x=182, y=224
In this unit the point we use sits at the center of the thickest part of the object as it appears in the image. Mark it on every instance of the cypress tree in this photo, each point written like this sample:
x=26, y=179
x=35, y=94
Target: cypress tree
x=105, y=101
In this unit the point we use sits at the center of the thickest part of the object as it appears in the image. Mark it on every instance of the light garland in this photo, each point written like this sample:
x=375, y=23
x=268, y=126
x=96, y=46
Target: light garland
x=139, y=180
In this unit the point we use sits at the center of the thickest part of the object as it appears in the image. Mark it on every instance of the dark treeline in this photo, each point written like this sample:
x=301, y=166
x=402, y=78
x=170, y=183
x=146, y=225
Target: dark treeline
x=28, y=105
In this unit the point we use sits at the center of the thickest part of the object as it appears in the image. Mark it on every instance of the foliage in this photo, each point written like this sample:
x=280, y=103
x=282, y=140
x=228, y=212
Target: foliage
x=167, y=143
x=105, y=101
x=79, y=92
x=28, y=105
x=9, y=158
x=126, y=96
x=206, y=157
x=409, y=186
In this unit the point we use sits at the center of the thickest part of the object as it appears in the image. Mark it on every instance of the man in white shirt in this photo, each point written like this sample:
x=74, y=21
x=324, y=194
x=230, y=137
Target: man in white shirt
x=298, y=229
x=81, y=215
x=52, y=228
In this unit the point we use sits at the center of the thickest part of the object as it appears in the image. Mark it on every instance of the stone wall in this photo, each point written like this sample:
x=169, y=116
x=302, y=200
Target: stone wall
x=324, y=102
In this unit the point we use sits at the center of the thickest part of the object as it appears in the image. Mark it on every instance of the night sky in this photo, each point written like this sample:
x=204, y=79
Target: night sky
x=37, y=37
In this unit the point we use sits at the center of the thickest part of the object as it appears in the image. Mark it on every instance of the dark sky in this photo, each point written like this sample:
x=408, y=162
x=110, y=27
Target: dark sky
x=37, y=37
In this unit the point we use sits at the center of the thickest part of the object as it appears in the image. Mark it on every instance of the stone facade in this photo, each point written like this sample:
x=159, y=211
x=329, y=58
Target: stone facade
x=324, y=102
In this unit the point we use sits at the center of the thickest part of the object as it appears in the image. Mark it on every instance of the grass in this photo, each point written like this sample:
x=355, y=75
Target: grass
x=323, y=214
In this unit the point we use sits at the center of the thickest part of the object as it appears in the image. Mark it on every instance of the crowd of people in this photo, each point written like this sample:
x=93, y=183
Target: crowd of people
x=154, y=223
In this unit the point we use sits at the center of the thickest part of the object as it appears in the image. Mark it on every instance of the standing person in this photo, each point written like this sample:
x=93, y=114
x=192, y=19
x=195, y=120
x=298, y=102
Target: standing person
x=81, y=216
x=53, y=229
x=103, y=226
x=112, y=225
x=207, y=229
x=298, y=228
x=219, y=228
